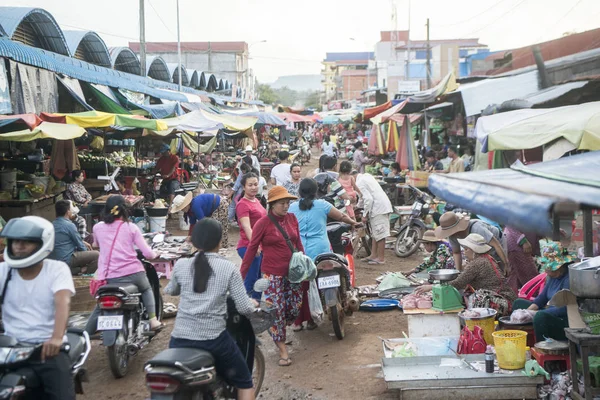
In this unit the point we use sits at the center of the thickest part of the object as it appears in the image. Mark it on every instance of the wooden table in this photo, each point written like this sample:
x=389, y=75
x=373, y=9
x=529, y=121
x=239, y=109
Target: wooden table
x=586, y=342
x=42, y=207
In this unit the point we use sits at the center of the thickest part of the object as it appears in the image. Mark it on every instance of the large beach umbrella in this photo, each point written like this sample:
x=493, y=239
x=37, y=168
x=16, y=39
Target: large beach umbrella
x=376, y=142
x=407, y=155
x=392, y=139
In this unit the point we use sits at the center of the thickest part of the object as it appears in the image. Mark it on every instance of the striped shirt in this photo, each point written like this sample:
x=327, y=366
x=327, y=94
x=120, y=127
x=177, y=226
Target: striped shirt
x=202, y=316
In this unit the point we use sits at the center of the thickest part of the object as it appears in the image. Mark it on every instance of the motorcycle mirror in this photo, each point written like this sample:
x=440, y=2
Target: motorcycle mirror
x=261, y=285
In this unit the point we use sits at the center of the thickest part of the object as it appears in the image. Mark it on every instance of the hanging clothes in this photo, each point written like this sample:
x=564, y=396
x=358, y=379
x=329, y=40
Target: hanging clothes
x=64, y=158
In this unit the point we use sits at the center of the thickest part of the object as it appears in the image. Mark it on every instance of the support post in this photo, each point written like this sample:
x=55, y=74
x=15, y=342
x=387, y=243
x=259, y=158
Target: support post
x=428, y=58
x=142, y=39
x=178, y=50
x=588, y=233
x=542, y=72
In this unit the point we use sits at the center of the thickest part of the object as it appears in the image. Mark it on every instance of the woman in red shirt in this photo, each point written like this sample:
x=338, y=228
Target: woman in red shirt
x=284, y=296
x=249, y=210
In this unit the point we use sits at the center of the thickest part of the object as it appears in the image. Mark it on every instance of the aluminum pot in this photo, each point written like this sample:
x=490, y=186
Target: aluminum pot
x=584, y=278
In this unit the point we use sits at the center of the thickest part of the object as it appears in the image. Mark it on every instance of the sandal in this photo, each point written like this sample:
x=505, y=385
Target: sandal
x=375, y=262
x=297, y=328
x=154, y=331
x=366, y=259
x=285, y=362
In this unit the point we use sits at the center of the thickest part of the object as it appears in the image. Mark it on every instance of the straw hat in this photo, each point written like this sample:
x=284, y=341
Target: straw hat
x=249, y=148
x=475, y=242
x=74, y=208
x=554, y=256
x=429, y=236
x=279, y=193
x=180, y=202
x=451, y=223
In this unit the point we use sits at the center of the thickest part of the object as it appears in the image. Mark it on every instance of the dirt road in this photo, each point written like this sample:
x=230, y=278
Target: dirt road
x=323, y=366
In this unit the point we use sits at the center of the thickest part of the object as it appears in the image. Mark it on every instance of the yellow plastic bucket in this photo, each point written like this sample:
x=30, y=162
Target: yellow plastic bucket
x=510, y=348
x=486, y=321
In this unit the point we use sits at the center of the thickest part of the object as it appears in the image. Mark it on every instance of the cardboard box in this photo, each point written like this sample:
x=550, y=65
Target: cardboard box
x=418, y=179
x=578, y=319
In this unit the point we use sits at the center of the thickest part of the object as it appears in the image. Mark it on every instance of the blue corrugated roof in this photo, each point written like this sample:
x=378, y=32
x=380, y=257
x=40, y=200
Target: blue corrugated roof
x=94, y=46
x=361, y=55
x=89, y=72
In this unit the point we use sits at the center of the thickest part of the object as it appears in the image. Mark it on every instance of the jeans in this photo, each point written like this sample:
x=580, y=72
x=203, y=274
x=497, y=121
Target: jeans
x=55, y=374
x=545, y=325
x=253, y=274
x=141, y=281
x=229, y=360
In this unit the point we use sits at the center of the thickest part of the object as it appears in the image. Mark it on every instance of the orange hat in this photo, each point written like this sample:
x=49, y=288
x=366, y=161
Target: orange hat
x=279, y=193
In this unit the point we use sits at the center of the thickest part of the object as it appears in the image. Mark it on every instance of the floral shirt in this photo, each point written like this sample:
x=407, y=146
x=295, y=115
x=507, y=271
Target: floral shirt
x=292, y=187
x=78, y=194
x=441, y=258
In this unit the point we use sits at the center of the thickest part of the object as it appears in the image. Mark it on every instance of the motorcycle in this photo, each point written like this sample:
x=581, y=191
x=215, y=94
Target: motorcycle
x=189, y=374
x=19, y=381
x=336, y=277
x=407, y=242
x=124, y=320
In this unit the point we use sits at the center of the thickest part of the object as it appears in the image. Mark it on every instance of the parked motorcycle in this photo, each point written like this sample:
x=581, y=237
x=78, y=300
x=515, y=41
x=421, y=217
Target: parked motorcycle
x=19, y=381
x=336, y=277
x=189, y=374
x=124, y=320
x=407, y=242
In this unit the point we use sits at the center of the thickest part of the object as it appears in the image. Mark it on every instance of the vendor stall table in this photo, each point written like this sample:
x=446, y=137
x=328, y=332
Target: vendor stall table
x=423, y=378
x=586, y=342
x=27, y=166
x=438, y=324
x=42, y=207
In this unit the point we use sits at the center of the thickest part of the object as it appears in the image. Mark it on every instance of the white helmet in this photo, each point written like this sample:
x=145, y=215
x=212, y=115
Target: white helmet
x=35, y=229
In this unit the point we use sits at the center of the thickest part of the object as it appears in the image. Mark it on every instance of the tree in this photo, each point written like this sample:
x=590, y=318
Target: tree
x=266, y=94
x=313, y=100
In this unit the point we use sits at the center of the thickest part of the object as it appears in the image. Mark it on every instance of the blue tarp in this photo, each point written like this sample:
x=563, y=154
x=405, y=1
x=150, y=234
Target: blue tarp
x=524, y=196
x=263, y=118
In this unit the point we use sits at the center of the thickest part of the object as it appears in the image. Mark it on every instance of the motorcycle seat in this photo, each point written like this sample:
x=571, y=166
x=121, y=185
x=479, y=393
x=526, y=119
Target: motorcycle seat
x=77, y=343
x=331, y=257
x=193, y=359
x=128, y=288
x=337, y=226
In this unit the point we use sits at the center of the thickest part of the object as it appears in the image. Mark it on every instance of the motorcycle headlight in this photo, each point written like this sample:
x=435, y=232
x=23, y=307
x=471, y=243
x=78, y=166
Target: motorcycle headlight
x=19, y=354
x=4, y=352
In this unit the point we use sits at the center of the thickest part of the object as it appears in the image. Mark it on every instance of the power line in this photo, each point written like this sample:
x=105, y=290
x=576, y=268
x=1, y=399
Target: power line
x=473, y=17
x=497, y=19
x=161, y=20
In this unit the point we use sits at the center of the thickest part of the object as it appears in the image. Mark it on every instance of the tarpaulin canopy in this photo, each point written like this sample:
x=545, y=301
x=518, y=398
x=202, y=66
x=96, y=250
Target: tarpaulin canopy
x=331, y=120
x=191, y=143
x=369, y=113
x=376, y=142
x=407, y=155
x=531, y=128
x=420, y=100
x=524, y=196
x=384, y=116
x=232, y=122
x=97, y=119
x=31, y=120
x=264, y=118
x=392, y=139
x=291, y=117
x=195, y=121
x=45, y=130
x=399, y=118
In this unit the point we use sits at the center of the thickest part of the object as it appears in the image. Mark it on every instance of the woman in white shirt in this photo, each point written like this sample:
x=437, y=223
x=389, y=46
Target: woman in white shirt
x=328, y=150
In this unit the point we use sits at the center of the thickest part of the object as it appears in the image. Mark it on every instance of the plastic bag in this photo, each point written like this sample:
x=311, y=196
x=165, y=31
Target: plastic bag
x=302, y=268
x=521, y=316
x=392, y=281
x=314, y=302
x=97, y=143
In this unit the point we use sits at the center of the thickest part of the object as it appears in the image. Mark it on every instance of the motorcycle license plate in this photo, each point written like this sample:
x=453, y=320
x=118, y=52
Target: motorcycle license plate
x=417, y=206
x=328, y=281
x=110, y=322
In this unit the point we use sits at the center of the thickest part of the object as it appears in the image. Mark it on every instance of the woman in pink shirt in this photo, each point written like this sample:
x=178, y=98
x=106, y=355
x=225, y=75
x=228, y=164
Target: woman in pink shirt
x=117, y=239
x=249, y=210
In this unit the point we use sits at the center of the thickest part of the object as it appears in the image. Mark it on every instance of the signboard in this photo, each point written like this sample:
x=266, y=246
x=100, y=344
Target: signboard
x=409, y=87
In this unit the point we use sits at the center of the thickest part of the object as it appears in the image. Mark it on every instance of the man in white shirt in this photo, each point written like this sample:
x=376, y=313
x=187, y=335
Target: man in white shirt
x=36, y=299
x=377, y=208
x=280, y=174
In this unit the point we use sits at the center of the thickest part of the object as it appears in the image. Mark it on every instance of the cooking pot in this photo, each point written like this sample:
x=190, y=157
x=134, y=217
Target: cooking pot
x=584, y=278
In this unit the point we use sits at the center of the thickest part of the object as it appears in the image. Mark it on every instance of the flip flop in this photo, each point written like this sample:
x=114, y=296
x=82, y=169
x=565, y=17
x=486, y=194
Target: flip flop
x=285, y=362
x=367, y=259
x=154, y=331
x=375, y=262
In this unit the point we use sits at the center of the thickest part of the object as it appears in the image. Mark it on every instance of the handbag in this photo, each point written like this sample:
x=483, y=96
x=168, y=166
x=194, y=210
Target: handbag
x=96, y=284
x=301, y=267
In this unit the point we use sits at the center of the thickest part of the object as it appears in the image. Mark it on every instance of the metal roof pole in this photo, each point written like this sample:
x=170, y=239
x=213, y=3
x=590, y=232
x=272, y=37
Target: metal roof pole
x=178, y=48
x=142, y=39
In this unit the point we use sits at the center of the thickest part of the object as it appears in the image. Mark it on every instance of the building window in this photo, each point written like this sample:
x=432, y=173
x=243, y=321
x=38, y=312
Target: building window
x=462, y=53
x=422, y=54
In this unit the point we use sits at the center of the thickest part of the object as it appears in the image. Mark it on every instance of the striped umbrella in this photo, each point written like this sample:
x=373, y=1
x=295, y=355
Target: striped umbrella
x=376, y=142
x=392, y=139
x=407, y=155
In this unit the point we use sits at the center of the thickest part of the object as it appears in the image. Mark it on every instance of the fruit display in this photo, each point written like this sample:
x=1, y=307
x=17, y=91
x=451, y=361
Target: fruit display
x=122, y=159
x=88, y=161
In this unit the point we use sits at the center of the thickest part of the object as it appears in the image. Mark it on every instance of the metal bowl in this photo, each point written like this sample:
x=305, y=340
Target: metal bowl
x=444, y=275
x=506, y=321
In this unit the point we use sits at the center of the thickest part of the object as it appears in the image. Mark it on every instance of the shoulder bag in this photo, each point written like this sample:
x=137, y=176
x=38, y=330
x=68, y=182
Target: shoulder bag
x=301, y=266
x=95, y=284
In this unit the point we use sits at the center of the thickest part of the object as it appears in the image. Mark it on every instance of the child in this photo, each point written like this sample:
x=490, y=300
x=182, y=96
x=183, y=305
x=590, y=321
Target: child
x=348, y=182
x=440, y=258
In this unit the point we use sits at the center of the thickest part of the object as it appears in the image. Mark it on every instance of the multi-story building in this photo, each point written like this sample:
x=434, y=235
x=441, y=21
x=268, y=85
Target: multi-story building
x=394, y=50
x=227, y=60
x=346, y=75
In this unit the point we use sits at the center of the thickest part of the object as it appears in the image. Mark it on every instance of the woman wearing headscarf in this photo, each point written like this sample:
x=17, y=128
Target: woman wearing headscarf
x=312, y=214
x=204, y=282
x=284, y=296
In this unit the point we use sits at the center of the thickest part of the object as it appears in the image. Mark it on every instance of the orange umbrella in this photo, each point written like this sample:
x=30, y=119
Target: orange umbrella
x=392, y=139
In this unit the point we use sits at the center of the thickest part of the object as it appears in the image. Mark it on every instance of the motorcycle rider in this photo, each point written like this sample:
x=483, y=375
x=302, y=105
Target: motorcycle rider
x=36, y=294
x=204, y=282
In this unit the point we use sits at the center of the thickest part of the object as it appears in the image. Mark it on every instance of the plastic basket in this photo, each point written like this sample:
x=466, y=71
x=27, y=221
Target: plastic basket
x=487, y=322
x=510, y=348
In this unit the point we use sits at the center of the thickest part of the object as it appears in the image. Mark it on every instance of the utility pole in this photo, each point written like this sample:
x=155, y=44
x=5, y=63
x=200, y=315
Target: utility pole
x=142, y=39
x=428, y=58
x=178, y=50
x=408, y=46
x=544, y=80
x=209, y=58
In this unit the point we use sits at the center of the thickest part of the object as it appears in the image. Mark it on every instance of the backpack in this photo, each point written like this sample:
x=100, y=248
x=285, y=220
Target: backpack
x=471, y=342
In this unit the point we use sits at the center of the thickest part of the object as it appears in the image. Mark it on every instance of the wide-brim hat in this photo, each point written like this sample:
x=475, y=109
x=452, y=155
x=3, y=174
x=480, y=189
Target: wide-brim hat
x=475, y=242
x=451, y=223
x=249, y=148
x=554, y=255
x=429, y=236
x=279, y=193
x=180, y=202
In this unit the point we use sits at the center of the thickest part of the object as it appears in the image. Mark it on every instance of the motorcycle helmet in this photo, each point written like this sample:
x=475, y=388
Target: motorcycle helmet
x=323, y=180
x=30, y=228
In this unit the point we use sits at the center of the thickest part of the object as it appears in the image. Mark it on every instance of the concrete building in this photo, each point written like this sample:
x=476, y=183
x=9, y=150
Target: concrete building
x=394, y=50
x=226, y=60
x=345, y=75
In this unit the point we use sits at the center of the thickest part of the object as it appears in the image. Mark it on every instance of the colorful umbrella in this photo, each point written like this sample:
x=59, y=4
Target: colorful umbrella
x=376, y=142
x=45, y=130
x=98, y=119
x=392, y=139
x=407, y=155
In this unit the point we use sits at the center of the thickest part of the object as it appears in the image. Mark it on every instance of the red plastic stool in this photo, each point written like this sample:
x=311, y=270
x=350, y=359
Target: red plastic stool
x=164, y=267
x=543, y=358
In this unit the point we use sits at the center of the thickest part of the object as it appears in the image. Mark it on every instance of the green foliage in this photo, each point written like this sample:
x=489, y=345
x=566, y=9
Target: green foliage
x=288, y=97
